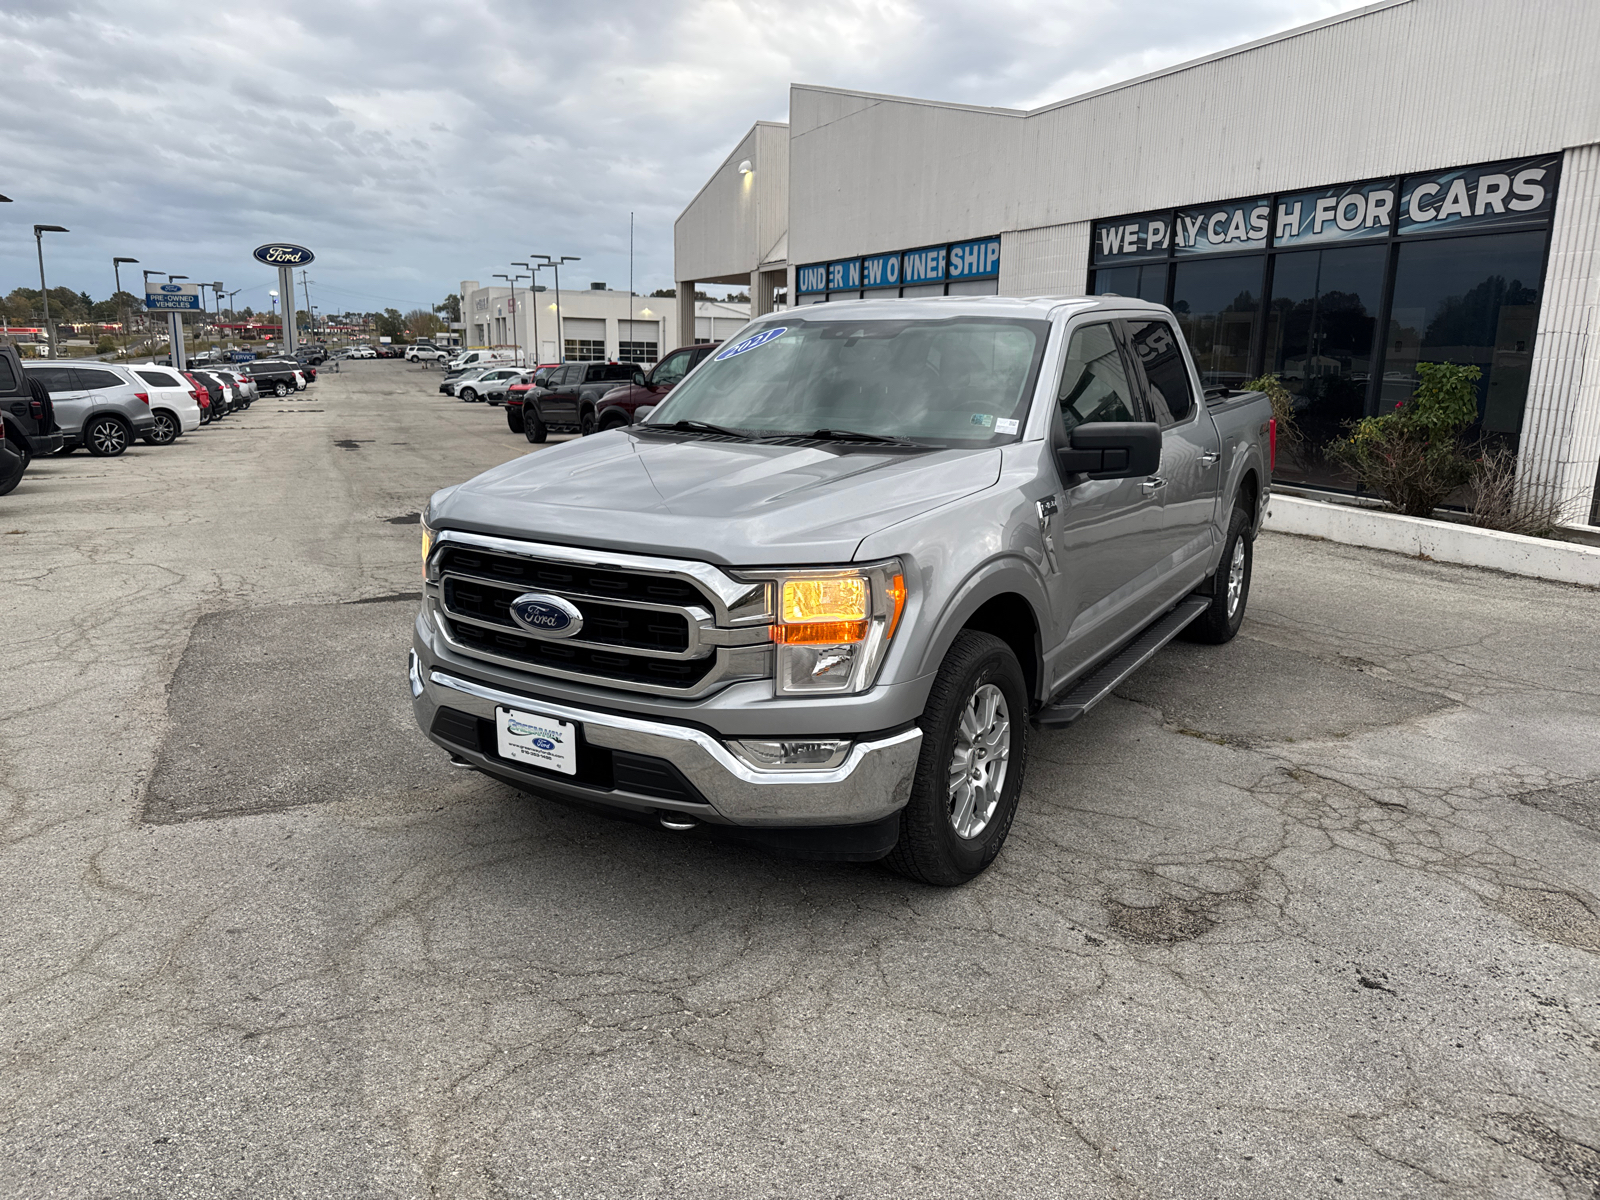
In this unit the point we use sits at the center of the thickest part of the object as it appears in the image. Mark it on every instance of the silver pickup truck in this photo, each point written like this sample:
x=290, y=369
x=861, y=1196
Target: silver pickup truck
x=818, y=599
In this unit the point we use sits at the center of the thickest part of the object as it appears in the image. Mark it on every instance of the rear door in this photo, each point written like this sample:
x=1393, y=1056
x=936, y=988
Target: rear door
x=70, y=401
x=1103, y=578
x=105, y=389
x=1190, y=449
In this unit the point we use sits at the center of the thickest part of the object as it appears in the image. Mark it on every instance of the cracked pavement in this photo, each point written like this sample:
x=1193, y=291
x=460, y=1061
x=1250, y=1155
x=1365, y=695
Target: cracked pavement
x=1314, y=914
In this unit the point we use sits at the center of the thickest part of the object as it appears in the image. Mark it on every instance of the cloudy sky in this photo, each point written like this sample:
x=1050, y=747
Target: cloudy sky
x=412, y=145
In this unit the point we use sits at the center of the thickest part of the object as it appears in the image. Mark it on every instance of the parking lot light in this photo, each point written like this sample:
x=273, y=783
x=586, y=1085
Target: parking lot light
x=44, y=292
x=116, y=271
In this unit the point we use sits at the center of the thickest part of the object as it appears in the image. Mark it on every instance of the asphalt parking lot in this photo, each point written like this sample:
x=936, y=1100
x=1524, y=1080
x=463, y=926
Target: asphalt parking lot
x=1313, y=914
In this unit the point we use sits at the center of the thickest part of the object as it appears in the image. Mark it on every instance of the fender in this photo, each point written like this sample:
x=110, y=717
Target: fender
x=1007, y=574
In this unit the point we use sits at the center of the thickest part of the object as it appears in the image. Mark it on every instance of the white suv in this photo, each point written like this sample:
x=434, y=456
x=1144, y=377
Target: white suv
x=174, y=402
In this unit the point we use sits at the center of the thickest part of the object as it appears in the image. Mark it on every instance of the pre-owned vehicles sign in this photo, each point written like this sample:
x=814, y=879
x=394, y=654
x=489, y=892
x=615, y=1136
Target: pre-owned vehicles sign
x=168, y=297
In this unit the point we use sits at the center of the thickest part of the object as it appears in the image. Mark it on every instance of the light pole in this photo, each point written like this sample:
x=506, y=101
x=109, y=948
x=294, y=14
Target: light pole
x=512, y=281
x=561, y=343
x=147, y=275
x=44, y=292
x=307, y=288
x=533, y=299
x=116, y=270
x=216, y=298
x=274, y=296
x=5, y=316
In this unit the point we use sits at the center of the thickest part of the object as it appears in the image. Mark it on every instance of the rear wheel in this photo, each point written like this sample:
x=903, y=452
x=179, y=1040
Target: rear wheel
x=1230, y=587
x=106, y=437
x=970, y=769
x=533, y=428
x=165, y=430
x=280, y=389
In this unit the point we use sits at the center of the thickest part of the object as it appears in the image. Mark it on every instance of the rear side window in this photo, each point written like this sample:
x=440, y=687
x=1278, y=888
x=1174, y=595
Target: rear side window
x=1159, y=353
x=55, y=379
x=1094, y=382
x=159, y=379
x=94, y=379
x=619, y=372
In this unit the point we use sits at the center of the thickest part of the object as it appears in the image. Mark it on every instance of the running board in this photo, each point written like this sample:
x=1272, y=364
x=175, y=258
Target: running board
x=1100, y=683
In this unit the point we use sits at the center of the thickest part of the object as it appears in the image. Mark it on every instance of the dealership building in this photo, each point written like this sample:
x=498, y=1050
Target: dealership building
x=1413, y=181
x=590, y=322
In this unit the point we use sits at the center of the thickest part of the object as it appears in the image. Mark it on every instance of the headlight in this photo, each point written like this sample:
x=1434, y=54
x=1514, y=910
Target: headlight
x=427, y=546
x=834, y=627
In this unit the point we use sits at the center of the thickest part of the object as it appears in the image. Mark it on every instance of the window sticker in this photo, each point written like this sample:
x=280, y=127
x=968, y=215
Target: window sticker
x=751, y=342
x=984, y=419
x=1006, y=425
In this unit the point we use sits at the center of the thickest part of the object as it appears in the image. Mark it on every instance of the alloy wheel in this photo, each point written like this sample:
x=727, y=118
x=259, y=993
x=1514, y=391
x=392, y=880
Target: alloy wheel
x=1236, y=577
x=108, y=438
x=165, y=429
x=979, y=760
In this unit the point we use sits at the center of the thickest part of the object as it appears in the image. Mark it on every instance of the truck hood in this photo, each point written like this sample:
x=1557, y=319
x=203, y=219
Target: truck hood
x=733, y=503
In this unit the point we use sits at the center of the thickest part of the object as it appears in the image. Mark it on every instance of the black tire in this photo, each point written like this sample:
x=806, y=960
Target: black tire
x=1221, y=621
x=533, y=429
x=106, y=437
x=930, y=848
x=468, y=395
x=165, y=431
x=20, y=446
x=280, y=389
x=587, y=423
x=514, y=421
x=11, y=473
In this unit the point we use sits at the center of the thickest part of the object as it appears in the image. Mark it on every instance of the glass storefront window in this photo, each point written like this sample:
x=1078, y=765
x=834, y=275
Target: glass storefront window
x=1147, y=282
x=1218, y=305
x=1467, y=300
x=1321, y=323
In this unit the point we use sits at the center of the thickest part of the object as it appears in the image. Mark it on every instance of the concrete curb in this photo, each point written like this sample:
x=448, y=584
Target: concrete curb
x=1442, y=541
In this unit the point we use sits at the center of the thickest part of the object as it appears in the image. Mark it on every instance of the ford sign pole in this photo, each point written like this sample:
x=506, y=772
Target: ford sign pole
x=286, y=257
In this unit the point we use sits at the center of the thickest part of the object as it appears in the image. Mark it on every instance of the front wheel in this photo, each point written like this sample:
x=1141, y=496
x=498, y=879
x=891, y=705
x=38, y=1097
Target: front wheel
x=106, y=437
x=533, y=428
x=970, y=769
x=1230, y=587
x=586, y=423
x=468, y=395
x=514, y=421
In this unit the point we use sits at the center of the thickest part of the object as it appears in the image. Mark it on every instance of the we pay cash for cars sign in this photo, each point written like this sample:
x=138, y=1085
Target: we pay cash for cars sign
x=172, y=297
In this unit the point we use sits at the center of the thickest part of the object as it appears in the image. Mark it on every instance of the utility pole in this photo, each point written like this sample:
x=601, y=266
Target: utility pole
x=631, y=337
x=116, y=270
x=44, y=292
x=306, y=287
x=533, y=299
x=561, y=342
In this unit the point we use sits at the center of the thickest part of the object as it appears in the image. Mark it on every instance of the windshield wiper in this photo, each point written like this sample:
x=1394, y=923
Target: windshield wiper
x=708, y=427
x=852, y=435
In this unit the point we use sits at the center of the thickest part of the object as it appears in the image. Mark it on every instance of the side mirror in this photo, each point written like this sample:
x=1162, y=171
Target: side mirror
x=1112, y=450
x=638, y=377
x=642, y=413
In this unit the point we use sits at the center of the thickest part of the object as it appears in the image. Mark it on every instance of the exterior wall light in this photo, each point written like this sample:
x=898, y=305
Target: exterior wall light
x=745, y=168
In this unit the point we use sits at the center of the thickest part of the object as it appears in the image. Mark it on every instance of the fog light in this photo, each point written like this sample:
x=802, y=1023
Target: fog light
x=416, y=676
x=815, y=753
x=816, y=668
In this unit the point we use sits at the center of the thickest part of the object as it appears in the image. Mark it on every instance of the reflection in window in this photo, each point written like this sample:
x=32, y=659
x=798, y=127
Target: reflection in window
x=1094, y=385
x=1146, y=282
x=1321, y=325
x=1468, y=300
x=1218, y=305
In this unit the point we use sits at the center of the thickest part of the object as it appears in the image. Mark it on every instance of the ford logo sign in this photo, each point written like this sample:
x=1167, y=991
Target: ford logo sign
x=171, y=287
x=548, y=616
x=282, y=254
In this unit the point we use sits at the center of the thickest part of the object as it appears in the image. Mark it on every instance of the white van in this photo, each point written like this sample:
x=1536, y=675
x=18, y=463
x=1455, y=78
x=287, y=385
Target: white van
x=485, y=358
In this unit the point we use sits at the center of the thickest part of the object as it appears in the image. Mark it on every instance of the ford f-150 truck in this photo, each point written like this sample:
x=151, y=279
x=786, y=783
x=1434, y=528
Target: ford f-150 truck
x=819, y=597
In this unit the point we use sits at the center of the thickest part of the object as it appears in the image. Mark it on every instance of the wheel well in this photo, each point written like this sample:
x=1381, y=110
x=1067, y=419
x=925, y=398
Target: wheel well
x=1249, y=494
x=1010, y=618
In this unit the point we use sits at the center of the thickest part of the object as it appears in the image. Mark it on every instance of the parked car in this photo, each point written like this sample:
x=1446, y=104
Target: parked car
x=818, y=598
x=617, y=407
x=517, y=393
x=490, y=385
x=363, y=352
x=484, y=358
x=12, y=464
x=245, y=392
x=423, y=352
x=459, y=379
x=388, y=352
x=177, y=406
x=26, y=411
x=570, y=398
x=216, y=394
x=272, y=375
x=100, y=407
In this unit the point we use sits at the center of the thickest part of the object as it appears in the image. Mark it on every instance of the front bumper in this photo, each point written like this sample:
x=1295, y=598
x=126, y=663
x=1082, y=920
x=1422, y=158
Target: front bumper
x=872, y=783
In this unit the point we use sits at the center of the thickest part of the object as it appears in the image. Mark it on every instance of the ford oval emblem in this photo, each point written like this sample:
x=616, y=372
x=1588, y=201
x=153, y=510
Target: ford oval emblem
x=282, y=254
x=548, y=616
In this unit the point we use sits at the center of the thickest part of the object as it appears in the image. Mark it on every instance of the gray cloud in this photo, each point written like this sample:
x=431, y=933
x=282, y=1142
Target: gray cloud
x=411, y=144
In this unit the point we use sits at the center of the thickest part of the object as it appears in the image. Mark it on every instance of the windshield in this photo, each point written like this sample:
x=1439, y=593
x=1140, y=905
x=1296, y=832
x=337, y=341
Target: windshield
x=962, y=381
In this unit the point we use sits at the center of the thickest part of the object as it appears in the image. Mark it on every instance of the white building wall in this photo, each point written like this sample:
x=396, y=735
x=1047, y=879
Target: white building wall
x=1052, y=261
x=1560, y=447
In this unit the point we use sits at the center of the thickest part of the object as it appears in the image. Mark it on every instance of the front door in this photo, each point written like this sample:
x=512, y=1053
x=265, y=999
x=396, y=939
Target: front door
x=1190, y=452
x=1105, y=533
x=559, y=406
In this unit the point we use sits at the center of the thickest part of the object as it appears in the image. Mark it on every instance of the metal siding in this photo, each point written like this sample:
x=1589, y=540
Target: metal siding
x=1560, y=447
x=718, y=234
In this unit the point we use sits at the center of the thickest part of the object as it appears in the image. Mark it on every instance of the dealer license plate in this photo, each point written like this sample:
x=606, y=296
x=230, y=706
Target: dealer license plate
x=537, y=740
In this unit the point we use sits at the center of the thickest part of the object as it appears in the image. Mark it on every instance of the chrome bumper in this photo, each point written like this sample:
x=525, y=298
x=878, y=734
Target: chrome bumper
x=873, y=781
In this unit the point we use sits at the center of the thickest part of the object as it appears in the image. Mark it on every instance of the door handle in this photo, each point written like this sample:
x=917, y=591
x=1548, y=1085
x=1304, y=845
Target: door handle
x=1211, y=458
x=1152, y=485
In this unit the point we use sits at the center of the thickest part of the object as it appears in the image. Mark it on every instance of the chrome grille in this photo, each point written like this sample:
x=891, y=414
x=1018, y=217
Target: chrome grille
x=649, y=624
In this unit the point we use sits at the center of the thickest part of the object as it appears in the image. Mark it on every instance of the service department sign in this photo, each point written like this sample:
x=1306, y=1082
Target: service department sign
x=282, y=254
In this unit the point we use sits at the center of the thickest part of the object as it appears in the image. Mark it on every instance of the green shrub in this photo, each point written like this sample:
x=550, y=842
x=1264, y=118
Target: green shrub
x=108, y=345
x=1414, y=456
x=1290, y=439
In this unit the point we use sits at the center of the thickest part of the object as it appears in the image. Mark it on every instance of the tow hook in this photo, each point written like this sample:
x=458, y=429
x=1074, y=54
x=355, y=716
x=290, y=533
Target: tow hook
x=677, y=822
